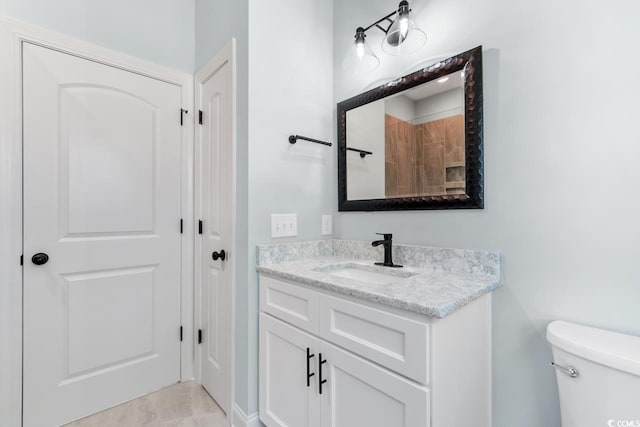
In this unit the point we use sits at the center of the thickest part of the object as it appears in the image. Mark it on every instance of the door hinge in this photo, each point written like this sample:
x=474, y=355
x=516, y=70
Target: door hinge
x=21, y=259
x=181, y=226
x=180, y=333
x=200, y=117
x=182, y=113
x=199, y=336
x=200, y=227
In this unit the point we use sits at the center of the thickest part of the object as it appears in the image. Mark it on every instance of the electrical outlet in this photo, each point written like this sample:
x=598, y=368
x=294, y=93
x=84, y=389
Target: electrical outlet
x=284, y=225
x=327, y=225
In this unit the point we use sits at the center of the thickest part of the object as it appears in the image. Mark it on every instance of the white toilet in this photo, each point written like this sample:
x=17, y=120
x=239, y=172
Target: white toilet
x=598, y=375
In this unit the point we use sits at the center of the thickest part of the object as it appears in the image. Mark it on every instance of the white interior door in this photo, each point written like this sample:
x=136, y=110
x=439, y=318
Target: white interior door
x=214, y=209
x=102, y=200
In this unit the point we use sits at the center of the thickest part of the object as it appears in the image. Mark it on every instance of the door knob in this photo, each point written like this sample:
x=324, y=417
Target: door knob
x=40, y=258
x=222, y=255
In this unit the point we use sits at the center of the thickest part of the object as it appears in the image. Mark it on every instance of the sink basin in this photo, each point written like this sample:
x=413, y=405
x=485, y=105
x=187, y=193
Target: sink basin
x=363, y=276
x=366, y=273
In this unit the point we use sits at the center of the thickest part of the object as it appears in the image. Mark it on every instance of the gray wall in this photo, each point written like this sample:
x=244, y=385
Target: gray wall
x=217, y=21
x=281, y=91
x=366, y=131
x=440, y=106
x=290, y=80
x=157, y=30
x=561, y=146
x=401, y=107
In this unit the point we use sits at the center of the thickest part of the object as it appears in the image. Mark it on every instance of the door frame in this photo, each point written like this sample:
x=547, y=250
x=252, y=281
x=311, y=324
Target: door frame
x=13, y=34
x=225, y=55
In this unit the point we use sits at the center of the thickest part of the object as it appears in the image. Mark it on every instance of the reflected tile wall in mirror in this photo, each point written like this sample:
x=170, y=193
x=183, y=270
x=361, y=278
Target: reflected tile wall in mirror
x=418, y=140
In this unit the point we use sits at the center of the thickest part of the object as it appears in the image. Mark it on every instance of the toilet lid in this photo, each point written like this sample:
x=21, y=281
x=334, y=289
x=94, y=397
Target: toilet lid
x=608, y=348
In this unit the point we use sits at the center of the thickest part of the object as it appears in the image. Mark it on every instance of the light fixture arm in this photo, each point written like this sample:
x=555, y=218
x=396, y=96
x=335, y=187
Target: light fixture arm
x=377, y=23
x=404, y=6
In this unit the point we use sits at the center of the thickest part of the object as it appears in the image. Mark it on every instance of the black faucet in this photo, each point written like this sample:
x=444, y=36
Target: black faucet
x=388, y=261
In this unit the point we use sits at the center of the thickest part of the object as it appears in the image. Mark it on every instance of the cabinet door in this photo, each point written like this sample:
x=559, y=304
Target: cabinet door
x=359, y=393
x=286, y=398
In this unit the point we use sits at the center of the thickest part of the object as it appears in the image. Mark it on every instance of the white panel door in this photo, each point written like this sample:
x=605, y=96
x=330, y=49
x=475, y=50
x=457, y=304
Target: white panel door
x=288, y=375
x=102, y=200
x=214, y=193
x=359, y=393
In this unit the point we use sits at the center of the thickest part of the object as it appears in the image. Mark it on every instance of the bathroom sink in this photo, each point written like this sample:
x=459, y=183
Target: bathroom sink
x=363, y=276
x=366, y=273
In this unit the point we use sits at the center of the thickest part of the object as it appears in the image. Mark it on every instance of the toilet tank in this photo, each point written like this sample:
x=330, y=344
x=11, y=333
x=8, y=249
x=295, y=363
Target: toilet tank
x=606, y=391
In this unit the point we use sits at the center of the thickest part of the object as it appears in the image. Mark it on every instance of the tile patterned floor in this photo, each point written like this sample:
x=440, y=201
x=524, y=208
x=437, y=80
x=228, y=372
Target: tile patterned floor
x=182, y=405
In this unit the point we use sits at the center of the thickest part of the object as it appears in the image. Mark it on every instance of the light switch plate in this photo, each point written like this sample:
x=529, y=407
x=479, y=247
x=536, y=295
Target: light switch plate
x=284, y=225
x=327, y=225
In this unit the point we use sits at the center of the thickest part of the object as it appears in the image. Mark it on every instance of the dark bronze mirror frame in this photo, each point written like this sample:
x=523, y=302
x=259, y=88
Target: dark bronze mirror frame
x=471, y=63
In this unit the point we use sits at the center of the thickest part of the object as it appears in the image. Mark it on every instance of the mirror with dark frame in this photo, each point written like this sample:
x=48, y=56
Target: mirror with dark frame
x=415, y=142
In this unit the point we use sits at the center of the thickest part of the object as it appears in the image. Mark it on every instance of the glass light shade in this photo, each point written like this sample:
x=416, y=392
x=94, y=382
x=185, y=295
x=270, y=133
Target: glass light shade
x=360, y=58
x=403, y=37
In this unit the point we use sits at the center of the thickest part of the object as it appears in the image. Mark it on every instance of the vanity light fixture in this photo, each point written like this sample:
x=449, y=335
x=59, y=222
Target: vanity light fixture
x=402, y=37
x=361, y=58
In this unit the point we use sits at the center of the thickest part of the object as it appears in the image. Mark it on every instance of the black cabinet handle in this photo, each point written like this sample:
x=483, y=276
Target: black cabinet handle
x=40, y=259
x=309, y=374
x=221, y=255
x=321, y=362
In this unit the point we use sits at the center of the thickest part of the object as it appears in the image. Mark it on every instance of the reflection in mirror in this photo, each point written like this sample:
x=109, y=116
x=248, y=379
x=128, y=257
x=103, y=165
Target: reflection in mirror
x=417, y=141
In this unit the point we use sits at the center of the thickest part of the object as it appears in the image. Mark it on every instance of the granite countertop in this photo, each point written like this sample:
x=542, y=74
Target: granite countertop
x=434, y=281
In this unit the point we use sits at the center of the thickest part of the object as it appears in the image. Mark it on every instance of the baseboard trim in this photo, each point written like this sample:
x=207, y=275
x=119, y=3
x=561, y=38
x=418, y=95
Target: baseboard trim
x=240, y=419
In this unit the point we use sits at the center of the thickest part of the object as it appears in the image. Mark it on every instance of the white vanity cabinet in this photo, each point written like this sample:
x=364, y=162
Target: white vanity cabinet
x=334, y=361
